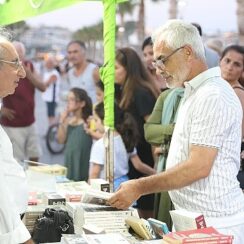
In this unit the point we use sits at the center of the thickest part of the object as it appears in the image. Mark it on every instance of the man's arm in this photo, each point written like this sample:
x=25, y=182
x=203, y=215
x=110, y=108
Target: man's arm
x=196, y=167
x=34, y=78
x=96, y=75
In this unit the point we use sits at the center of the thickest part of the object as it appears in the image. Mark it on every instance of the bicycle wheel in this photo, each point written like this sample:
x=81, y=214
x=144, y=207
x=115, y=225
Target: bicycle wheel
x=51, y=140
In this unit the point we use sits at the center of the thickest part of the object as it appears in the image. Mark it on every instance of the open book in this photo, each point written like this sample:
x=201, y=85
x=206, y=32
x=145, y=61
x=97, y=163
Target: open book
x=96, y=197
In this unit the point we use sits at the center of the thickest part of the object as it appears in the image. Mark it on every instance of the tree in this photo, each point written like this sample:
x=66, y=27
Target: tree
x=240, y=19
x=91, y=36
x=141, y=22
x=18, y=29
x=122, y=10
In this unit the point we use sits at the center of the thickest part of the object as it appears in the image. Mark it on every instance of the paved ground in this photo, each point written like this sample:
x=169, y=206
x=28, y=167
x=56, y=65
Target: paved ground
x=42, y=127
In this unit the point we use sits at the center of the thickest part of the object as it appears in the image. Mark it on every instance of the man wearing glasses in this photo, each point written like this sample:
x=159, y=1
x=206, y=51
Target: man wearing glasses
x=13, y=188
x=203, y=159
x=18, y=112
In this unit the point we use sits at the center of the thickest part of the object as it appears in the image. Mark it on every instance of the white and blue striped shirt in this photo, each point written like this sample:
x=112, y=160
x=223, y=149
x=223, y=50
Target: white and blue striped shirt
x=210, y=115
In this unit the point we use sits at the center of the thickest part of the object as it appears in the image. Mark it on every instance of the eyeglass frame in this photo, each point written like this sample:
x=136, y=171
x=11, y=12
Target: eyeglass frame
x=163, y=59
x=16, y=63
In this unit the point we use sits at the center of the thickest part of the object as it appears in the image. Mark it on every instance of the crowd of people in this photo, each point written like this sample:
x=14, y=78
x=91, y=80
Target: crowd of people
x=178, y=127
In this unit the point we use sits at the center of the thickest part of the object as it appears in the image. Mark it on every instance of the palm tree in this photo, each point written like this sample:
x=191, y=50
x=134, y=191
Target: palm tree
x=141, y=21
x=124, y=8
x=240, y=19
x=91, y=36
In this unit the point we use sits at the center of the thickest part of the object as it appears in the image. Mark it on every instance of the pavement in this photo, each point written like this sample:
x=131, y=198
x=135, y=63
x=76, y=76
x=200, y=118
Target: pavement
x=42, y=127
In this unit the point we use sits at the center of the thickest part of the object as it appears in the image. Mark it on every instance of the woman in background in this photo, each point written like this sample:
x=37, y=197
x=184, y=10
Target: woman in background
x=139, y=94
x=232, y=68
x=147, y=50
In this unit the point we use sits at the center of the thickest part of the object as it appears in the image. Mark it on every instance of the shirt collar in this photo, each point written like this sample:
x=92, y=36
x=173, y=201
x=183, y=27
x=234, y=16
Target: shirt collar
x=199, y=80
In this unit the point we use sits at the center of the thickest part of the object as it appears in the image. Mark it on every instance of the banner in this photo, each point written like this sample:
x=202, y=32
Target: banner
x=12, y=11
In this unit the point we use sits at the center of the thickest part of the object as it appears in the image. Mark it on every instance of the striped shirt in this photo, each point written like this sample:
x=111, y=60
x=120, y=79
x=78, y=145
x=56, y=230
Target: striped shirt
x=210, y=115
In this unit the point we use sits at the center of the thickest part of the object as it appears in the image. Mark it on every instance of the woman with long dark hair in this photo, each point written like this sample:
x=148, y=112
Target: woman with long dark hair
x=138, y=96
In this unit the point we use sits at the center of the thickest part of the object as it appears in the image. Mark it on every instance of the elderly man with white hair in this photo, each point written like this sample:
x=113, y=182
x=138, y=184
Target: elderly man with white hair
x=204, y=155
x=13, y=187
x=18, y=117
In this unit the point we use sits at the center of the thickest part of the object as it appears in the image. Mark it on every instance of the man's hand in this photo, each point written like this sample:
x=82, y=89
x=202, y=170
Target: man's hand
x=29, y=73
x=8, y=113
x=126, y=195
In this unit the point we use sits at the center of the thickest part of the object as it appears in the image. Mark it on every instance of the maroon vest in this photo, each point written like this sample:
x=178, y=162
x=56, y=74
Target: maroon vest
x=23, y=103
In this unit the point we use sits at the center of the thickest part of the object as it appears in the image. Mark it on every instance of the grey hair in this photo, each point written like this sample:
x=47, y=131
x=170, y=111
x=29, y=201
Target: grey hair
x=5, y=36
x=177, y=33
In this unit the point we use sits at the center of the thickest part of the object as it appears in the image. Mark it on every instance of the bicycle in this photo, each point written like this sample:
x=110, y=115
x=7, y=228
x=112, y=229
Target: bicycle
x=51, y=140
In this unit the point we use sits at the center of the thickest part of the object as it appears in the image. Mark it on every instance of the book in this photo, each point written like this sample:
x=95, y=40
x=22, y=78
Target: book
x=204, y=235
x=186, y=220
x=114, y=238
x=141, y=227
x=104, y=217
x=100, y=184
x=73, y=239
x=160, y=228
x=96, y=197
x=54, y=199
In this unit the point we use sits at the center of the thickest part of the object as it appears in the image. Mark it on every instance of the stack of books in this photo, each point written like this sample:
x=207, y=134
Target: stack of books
x=31, y=214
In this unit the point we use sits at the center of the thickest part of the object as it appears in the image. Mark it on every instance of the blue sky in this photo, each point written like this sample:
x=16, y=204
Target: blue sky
x=213, y=15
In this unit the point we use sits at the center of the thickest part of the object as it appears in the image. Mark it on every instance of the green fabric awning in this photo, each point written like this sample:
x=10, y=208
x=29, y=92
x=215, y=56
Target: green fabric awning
x=16, y=10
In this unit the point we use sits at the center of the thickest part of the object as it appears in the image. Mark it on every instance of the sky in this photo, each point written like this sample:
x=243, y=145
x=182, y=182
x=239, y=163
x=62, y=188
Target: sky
x=212, y=15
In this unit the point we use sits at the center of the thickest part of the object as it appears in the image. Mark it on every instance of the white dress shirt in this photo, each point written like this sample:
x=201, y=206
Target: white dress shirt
x=210, y=115
x=13, y=193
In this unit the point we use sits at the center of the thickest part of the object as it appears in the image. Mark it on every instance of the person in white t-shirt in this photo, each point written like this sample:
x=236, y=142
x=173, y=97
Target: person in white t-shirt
x=51, y=94
x=125, y=139
x=83, y=74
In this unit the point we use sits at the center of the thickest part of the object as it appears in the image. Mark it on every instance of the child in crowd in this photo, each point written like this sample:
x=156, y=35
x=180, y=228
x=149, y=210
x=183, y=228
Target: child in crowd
x=90, y=128
x=125, y=139
x=71, y=132
x=99, y=91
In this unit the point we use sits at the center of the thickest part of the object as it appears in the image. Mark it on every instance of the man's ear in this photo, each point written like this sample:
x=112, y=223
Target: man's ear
x=188, y=51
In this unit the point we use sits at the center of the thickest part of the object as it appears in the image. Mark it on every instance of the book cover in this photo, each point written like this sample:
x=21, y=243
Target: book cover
x=160, y=228
x=186, y=220
x=204, y=235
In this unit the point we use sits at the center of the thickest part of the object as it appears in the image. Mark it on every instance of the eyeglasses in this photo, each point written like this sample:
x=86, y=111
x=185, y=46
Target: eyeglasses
x=17, y=63
x=161, y=60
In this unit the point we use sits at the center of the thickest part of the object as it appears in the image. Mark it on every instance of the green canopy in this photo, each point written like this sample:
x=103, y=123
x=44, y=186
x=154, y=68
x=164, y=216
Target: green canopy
x=16, y=10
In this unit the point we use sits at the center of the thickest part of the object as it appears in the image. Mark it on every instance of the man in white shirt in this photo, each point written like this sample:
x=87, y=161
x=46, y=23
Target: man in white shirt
x=13, y=188
x=203, y=159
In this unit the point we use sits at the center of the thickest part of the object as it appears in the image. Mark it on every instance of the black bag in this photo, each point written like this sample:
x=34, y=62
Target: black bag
x=51, y=226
